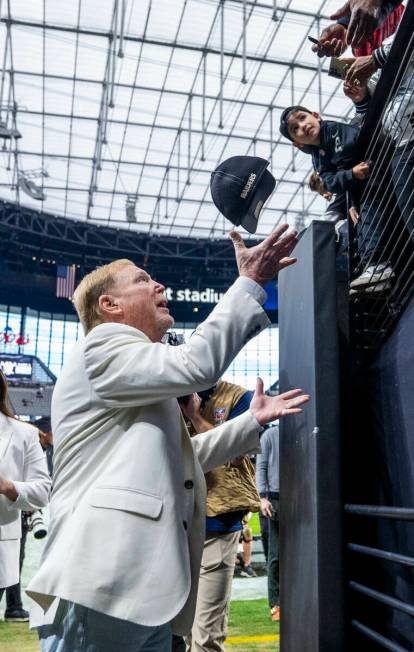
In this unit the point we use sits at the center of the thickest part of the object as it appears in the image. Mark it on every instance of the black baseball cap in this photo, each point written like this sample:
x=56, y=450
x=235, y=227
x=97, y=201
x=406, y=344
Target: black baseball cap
x=283, y=128
x=239, y=188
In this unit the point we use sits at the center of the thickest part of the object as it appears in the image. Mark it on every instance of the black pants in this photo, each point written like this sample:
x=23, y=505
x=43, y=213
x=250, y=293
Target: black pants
x=264, y=530
x=178, y=644
x=403, y=181
x=378, y=210
x=371, y=226
x=273, y=558
x=14, y=593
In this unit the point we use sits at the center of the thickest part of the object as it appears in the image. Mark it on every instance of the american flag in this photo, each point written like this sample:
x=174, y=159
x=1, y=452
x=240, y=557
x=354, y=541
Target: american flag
x=65, y=280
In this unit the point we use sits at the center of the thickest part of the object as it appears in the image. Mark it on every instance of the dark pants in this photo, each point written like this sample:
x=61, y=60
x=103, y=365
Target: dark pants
x=178, y=644
x=371, y=227
x=273, y=555
x=377, y=211
x=14, y=593
x=403, y=181
x=264, y=530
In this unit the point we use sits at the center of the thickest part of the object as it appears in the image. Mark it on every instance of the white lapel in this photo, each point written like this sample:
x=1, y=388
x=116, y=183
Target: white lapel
x=6, y=431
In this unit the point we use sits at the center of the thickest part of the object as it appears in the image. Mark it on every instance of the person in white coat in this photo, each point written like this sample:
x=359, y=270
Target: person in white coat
x=121, y=565
x=24, y=484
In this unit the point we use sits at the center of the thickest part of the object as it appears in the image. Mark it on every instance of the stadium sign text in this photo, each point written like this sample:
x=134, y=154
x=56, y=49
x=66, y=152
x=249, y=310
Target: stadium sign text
x=208, y=295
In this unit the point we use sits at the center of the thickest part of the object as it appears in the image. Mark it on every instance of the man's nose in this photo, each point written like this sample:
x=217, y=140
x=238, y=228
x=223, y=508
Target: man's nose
x=159, y=287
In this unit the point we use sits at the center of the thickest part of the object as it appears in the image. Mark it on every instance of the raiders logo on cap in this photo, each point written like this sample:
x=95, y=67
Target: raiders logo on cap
x=239, y=188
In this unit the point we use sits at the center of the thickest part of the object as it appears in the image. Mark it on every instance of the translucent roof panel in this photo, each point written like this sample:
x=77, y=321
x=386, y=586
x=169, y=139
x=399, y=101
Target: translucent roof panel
x=125, y=107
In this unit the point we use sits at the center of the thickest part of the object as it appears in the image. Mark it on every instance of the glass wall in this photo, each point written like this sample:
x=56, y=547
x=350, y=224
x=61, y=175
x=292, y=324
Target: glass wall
x=51, y=337
x=260, y=357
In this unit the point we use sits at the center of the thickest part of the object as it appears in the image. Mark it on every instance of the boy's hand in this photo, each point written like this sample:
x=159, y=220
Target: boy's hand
x=361, y=70
x=332, y=41
x=355, y=93
x=361, y=171
x=353, y=214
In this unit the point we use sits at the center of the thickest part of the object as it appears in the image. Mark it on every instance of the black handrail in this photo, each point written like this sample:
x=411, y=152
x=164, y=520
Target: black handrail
x=398, y=513
x=378, y=638
x=382, y=554
x=382, y=597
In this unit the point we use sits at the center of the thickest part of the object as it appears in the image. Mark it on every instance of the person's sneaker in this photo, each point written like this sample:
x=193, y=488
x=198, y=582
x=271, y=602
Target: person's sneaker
x=372, y=275
x=378, y=287
x=16, y=616
x=275, y=613
x=248, y=572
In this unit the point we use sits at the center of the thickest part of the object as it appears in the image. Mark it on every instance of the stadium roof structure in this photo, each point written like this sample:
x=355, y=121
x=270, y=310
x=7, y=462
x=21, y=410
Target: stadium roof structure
x=125, y=107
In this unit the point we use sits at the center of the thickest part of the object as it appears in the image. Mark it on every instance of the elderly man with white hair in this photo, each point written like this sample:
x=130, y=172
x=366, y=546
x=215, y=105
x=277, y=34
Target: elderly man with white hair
x=122, y=560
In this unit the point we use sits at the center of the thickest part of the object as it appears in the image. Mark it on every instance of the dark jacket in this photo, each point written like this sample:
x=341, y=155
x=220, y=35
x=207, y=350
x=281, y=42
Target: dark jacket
x=336, y=155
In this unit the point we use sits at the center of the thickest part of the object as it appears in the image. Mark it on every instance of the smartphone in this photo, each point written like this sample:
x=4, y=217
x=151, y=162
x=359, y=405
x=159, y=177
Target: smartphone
x=314, y=40
x=338, y=68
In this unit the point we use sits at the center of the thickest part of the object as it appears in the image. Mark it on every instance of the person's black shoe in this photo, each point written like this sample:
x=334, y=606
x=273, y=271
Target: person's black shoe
x=16, y=616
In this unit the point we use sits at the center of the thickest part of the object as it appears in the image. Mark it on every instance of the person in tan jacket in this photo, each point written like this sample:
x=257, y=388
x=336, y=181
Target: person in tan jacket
x=231, y=493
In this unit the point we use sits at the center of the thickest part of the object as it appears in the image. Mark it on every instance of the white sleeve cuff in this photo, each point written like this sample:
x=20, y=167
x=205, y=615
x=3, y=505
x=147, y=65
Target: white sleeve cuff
x=21, y=499
x=253, y=288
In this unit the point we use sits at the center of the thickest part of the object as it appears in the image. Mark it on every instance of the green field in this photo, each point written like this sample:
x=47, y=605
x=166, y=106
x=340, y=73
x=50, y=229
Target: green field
x=251, y=618
x=247, y=618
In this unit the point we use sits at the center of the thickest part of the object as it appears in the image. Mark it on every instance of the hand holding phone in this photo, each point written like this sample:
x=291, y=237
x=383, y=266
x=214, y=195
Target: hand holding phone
x=339, y=67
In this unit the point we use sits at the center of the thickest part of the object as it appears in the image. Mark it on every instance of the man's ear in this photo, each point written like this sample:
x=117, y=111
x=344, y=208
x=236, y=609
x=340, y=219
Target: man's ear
x=316, y=115
x=108, y=305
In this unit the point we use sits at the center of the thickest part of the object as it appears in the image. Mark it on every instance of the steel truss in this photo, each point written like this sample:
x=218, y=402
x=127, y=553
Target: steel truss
x=208, y=119
x=38, y=235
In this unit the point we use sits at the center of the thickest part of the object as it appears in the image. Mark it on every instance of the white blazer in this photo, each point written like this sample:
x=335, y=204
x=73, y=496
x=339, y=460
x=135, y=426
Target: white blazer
x=128, y=503
x=23, y=461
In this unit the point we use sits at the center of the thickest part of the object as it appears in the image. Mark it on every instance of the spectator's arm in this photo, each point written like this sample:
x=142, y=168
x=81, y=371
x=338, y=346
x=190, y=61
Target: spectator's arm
x=262, y=462
x=242, y=404
x=334, y=180
x=362, y=107
x=33, y=491
x=381, y=54
x=387, y=8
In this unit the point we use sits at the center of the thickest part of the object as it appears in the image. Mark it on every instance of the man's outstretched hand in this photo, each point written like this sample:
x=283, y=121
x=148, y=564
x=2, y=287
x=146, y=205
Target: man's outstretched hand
x=269, y=408
x=262, y=262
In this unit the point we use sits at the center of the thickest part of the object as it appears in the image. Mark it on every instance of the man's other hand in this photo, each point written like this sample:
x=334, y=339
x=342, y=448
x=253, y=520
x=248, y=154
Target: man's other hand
x=8, y=489
x=266, y=507
x=364, y=20
x=269, y=408
x=262, y=262
x=192, y=409
x=332, y=41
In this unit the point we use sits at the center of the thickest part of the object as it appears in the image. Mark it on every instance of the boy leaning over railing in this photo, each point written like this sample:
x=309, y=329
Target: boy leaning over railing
x=333, y=147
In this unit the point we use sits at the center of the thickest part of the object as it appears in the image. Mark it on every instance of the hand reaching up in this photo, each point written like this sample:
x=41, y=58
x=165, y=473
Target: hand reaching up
x=269, y=408
x=263, y=261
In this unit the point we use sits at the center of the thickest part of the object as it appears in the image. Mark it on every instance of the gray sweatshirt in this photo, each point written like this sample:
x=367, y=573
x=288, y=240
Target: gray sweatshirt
x=267, y=463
